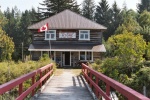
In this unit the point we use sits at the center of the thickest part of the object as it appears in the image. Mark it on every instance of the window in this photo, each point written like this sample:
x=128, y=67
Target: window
x=85, y=55
x=50, y=35
x=82, y=55
x=88, y=56
x=84, y=34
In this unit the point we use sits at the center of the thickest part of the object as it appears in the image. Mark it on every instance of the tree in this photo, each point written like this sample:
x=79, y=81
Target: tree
x=116, y=17
x=88, y=8
x=12, y=29
x=145, y=25
x=129, y=23
x=115, y=20
x=55, y=6
x=102, y=13
x=144, y=5
x=16, y=28
x=144, y=19
x=6, y=43
x=148, y=51
x=129, y=48
x=143, y=79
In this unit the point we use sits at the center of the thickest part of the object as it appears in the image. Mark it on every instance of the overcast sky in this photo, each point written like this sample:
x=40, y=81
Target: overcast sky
x=28, y=4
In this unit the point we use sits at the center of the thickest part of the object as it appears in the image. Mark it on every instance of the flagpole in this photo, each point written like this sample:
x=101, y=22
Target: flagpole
x=50, y=47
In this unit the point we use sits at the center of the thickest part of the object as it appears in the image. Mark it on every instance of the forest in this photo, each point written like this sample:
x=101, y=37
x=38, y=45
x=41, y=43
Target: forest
x=127, y=38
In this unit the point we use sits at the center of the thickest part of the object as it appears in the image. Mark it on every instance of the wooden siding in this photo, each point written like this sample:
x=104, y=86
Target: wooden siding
x=36, y=55
x=96, y=55
x=95, y=36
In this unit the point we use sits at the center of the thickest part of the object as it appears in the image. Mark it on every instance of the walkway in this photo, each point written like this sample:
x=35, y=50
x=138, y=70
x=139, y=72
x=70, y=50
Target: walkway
x=66, y=86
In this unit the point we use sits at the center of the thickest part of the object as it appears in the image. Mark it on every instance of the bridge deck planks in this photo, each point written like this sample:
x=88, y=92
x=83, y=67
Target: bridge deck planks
x=66, y=86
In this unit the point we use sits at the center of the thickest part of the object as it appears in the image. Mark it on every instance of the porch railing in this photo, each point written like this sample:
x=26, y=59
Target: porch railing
x=38, y=77
x=94, y=78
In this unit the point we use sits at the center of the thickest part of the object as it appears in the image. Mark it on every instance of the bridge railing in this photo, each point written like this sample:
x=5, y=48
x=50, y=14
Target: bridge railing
x=38, y=77
x=93, y=78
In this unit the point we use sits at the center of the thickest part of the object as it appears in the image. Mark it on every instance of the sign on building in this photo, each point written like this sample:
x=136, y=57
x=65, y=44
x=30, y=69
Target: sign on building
x=67, y=35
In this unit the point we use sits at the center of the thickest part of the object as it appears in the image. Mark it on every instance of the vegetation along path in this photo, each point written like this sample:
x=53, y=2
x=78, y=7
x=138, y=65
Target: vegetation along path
x=65, y=85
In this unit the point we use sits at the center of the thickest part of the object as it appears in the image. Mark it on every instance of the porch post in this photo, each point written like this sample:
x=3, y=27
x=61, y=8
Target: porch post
x=85, y=55
x=61, y=59
x=79, y=55
x=41, y=53
x=30, y=56
x=54, y=55
x=48, y=54
x=92, y=55
x=70, y=58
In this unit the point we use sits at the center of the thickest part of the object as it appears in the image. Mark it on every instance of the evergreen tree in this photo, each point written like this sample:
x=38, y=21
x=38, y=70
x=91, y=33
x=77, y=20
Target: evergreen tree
x=25, y=35
x=129, y=23
x=115, y=20
x=88, y=8
x=144, y=5
x=145, y=24
x=55, y=6
x=102, y=13
x=16, y=28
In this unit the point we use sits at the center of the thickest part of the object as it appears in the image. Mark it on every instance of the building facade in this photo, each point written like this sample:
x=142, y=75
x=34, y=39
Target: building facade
x=70, y=38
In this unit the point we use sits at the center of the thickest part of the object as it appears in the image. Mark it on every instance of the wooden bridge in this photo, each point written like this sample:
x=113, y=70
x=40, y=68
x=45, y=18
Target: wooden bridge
x=67, y=86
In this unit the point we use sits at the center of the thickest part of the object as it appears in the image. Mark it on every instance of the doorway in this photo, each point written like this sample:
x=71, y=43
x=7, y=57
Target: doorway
x=66, y=59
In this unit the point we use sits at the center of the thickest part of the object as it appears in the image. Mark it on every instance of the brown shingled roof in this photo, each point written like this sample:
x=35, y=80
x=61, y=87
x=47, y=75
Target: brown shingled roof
x=68, y=20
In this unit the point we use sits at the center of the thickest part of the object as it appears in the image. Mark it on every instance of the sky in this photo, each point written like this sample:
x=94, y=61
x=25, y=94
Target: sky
x=28, y=4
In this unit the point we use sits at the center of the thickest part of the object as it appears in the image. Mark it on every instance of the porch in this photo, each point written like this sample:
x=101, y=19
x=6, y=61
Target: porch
x=67, y=58
x=67, y=54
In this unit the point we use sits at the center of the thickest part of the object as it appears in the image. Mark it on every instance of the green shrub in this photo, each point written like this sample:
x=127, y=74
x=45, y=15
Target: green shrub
x=11, y=70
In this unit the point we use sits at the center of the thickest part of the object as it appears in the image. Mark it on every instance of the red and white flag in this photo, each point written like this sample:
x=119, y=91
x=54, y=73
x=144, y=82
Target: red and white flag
x=43, y=28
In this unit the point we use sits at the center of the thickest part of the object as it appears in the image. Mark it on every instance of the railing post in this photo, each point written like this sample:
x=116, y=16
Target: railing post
x=40, y=78
x=96, y=91
x=107, y=90
x=49, y=69
x=91, y=79
x=20, y=88
x=33, y=81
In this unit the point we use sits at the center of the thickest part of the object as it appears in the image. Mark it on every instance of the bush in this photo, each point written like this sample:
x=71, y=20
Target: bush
x=11, y=70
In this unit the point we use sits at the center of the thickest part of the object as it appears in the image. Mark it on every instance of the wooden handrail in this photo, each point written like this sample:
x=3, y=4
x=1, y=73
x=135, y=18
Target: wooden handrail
x=35, y=83
x=110, y=83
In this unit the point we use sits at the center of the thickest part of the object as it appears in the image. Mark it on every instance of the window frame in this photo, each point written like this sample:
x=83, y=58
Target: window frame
x=85, y=55
x=54, y=32
x=80, y=33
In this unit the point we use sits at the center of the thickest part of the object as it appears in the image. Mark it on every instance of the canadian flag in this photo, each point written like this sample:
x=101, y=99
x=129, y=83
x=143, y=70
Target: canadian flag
x=43, y=28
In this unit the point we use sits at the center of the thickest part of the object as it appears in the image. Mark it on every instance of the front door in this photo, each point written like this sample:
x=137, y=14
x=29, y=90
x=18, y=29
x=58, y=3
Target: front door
x=66, y=58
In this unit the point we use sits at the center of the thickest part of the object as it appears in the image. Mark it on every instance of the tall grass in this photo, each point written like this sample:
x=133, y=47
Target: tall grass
x=12, y=70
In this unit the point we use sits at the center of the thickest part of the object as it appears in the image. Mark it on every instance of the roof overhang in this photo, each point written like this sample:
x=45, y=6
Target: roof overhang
x=67, y=47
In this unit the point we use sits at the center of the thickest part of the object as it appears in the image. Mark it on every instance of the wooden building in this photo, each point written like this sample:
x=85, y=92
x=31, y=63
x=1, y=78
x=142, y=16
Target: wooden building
x=71, y=38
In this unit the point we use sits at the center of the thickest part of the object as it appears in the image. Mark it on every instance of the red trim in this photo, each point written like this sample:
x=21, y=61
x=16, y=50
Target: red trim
x=124, y=90
x=19, y=81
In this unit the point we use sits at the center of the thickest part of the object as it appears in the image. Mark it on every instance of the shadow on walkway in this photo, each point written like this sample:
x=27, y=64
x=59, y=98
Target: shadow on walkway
x=66, y=86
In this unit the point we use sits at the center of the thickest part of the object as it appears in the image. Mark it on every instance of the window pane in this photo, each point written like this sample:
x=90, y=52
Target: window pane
x=50, y=32
x=48, y=36
x=82, y=55
x=89, y=57
x=52, y=36
x=81, y=36
x=83, y=31
x=86, y=36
